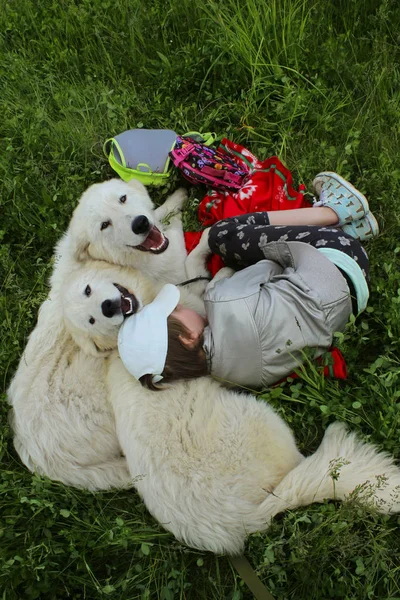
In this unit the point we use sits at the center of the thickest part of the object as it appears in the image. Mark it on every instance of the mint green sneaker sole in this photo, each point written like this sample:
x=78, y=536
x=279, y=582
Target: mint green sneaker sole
x=364, y=229
x=341, y=196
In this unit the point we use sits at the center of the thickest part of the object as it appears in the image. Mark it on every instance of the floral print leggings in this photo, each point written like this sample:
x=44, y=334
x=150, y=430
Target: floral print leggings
x=237, y=240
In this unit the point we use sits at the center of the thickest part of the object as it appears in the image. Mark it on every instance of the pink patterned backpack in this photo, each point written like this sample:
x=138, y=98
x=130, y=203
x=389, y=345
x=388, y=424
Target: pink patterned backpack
x=201, y=164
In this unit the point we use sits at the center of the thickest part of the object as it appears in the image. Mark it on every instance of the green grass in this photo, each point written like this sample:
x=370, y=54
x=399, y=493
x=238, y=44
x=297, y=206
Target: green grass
x=316, y=82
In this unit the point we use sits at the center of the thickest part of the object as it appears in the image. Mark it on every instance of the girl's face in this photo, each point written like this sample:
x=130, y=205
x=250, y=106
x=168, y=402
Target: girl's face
x=191, y=319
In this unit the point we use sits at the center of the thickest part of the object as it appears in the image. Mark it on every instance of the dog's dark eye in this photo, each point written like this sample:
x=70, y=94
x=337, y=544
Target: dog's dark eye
x=88, y=290
x=123, y=199
x=92, y=321
x=104, y=225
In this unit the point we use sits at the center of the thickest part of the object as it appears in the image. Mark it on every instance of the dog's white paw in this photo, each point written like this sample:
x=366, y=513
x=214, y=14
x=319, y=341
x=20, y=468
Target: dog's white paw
x=176, y=201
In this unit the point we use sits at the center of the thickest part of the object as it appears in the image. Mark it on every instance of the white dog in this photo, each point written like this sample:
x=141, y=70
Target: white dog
x=62, y=419
x=63, y=423
x=116, y=222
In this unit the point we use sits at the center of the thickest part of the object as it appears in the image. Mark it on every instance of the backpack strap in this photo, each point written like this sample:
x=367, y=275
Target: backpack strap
x=143, y=167
x=249, y=576
x=204, y=138
x=179, y=154
x=223, y=175
x=108, y=146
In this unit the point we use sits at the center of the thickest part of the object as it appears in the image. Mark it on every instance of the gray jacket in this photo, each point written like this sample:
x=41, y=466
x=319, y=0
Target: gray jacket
x=263, y=317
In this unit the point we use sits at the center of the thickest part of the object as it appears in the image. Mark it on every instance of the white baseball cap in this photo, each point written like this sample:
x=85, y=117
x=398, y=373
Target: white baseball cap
x=143, y=337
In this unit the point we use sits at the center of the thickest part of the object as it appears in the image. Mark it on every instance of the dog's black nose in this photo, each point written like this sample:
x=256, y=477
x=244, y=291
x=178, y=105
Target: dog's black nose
x=110, y=308
x=140, y=224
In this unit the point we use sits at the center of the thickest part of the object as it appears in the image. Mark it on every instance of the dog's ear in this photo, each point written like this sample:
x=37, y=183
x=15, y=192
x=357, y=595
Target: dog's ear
x=76, y=241
x=81, y=249
x=136, y=185
x=142, y=192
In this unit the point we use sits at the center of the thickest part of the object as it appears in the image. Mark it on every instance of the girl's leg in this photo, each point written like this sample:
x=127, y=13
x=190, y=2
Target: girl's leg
x=320, y=215
x=239, y=243
x=340, y=204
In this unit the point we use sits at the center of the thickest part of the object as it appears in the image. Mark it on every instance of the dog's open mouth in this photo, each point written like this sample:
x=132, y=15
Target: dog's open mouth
x=129, y=303
x=156, y=242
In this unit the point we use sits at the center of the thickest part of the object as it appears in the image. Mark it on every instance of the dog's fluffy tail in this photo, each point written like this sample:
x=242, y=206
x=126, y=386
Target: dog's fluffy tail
x=342, y=467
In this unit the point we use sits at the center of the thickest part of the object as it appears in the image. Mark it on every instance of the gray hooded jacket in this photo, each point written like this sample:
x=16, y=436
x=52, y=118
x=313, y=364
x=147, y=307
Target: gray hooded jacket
x=263, y=317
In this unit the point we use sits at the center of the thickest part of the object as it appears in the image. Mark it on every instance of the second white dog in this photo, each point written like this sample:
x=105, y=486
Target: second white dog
x=62, y=419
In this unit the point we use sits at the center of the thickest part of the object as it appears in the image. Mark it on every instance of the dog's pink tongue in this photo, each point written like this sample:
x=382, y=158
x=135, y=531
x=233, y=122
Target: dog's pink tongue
x=153, y=240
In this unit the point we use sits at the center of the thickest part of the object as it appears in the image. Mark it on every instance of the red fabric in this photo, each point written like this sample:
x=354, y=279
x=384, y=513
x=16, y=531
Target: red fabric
x=338, y=369
x=269, y=187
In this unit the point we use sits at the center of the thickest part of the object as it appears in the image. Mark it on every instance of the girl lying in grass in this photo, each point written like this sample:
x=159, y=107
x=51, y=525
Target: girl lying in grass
x=292, y=287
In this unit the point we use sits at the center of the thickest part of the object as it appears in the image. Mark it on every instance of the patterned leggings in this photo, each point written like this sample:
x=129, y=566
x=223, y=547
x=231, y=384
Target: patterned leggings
x=236, y=240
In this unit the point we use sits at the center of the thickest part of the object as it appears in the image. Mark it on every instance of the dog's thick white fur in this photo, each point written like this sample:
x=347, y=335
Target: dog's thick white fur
x=62, y=421
x=213, y=465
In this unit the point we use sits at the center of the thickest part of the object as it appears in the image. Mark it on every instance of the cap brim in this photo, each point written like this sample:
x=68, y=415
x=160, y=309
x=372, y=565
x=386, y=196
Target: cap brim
x=143, y=337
